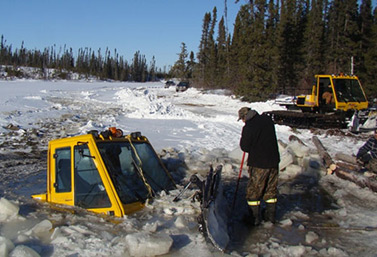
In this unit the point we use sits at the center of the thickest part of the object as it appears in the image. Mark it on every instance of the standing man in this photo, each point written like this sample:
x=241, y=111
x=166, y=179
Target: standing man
x=259, y=140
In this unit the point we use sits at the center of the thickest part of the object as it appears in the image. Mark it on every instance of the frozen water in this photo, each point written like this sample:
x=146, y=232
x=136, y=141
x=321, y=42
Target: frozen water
x=191, y=130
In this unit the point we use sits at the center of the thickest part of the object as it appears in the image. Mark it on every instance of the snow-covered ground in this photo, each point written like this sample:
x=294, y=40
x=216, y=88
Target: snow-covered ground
x=319, y=215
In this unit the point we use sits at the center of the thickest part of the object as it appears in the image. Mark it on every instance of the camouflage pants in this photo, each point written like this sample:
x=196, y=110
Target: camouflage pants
x=262, y=184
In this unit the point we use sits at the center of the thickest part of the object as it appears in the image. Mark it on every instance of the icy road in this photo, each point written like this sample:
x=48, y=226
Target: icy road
x=318, y=214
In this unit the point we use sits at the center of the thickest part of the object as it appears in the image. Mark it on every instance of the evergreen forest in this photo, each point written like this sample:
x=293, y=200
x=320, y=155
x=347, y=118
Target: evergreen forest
x=87, y=62
x=277, y=46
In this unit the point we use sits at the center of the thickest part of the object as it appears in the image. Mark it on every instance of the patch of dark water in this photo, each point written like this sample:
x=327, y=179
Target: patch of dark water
x=302, y=195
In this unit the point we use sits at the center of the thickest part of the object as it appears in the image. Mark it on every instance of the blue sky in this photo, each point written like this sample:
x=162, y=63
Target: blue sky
x=153, y=27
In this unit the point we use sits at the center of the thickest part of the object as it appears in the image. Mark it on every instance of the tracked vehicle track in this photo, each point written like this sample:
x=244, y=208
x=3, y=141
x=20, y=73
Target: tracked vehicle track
x=308, y=120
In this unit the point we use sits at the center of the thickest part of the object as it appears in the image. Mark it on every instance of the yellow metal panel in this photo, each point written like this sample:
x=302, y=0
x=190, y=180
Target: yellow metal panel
x=128, y=209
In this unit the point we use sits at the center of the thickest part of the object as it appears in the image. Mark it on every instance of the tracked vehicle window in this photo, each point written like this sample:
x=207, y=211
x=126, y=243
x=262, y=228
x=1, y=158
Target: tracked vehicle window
x=348, y=90
x=89, y=189
x=154, y=172
x=63, y=170
x=133, y=172
x=123, y=172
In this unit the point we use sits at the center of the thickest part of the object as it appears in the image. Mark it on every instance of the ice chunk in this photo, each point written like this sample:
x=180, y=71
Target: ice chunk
x=5, y=246
x=150, y=227
x=332, y=251
x=228, y=168
x=180, y=222
x=169, y=210
x=56, y=233
x=42, y=227
x=300, y=215
x=22, y=238
x=286, y=158
x=293, y=170
x=297, y=250
x=236, y=154
x=23, y=251
x=7, y=209
x=144, y=244
x=286, y=223
x=311, y=237
x=298, y=149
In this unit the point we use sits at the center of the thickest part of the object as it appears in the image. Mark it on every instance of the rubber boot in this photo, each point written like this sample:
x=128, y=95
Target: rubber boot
x=269, y=214
x=254, y=215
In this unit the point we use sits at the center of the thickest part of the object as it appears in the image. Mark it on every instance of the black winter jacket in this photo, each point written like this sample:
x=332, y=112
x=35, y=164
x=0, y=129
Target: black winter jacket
x=259, y=140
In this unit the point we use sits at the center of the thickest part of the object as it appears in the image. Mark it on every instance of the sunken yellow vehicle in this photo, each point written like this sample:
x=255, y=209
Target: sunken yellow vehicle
x=105, y=173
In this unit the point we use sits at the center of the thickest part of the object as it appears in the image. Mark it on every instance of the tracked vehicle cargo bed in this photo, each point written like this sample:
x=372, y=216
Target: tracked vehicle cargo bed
x=308, y=120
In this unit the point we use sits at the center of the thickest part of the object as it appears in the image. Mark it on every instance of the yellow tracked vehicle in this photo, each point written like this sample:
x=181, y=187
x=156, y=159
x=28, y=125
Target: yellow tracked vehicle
x=106, y=173
x=336, y=101
x=334, y=93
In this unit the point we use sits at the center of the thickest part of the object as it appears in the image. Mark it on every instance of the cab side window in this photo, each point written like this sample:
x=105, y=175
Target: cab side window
x=63, y=170
x=89, y=189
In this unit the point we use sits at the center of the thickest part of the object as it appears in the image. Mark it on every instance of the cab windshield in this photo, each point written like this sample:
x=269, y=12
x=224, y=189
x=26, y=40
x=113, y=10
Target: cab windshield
x=348, y=90
x=135, y=170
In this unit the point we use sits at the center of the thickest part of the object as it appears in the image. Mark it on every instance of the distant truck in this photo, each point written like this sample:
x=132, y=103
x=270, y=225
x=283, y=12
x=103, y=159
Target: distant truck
x=106, y=173
x=182, y=86
x=169, y=83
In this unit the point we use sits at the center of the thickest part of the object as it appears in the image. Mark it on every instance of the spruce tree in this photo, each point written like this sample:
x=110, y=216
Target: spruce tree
x=259, y=86
x=366, y=41
x=271, y=57
x=314, y=41
x=179, y=70
x=240, y=53
x=152, y=70
x=368, y=75
x=213, y=50
x=287, y=47
x=221, y=75
x=203, y=54
x=343, y=35
x=191, y=66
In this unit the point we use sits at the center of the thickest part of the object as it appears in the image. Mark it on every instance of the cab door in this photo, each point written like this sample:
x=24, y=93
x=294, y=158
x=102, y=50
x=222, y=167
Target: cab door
x=61, y=172
x=89, y=190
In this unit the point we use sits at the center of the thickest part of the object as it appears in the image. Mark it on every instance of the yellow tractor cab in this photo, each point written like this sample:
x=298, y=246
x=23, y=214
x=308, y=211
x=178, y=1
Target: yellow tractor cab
x=334, y=93
x=106, y=173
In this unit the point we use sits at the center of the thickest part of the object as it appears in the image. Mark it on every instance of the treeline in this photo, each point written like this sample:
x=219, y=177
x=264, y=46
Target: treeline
x=86, y=62
x=278, y=45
